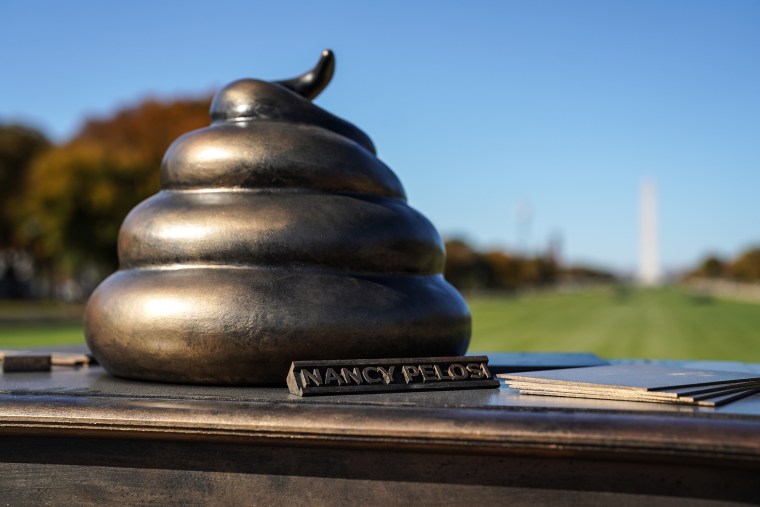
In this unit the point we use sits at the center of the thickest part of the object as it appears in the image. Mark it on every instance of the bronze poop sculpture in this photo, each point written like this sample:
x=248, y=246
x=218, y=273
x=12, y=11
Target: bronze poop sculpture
x=277, y=236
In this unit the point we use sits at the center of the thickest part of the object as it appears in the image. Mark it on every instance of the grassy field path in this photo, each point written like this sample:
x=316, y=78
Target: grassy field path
x=614, y=323
x=47, y=335
x=29, y=323
x=658, y=324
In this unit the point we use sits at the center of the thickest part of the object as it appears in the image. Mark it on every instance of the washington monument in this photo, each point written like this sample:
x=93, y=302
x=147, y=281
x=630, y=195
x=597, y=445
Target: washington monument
x=649, y=262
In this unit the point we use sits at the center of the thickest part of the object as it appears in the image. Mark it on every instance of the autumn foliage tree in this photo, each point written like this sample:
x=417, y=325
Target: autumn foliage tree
x=746, y=267
x=468, y=269
x=743, y=268
x=465, y=268
x=711, y=267
x=76, y=195
x=19, y=146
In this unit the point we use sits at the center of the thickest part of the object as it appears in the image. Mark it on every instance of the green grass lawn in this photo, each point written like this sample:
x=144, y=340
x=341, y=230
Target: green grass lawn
x=27, y=323
x=44, y=335
x=658, y=324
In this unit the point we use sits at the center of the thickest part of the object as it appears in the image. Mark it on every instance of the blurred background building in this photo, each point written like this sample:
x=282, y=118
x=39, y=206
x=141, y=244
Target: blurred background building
x=649, y=259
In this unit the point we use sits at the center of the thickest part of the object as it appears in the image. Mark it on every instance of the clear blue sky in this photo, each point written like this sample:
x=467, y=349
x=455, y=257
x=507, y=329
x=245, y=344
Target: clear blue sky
x=481, y=108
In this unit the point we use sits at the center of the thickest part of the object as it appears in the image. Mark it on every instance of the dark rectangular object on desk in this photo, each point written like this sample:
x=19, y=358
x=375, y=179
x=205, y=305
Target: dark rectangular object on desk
x=512, y=362
x=26, y=362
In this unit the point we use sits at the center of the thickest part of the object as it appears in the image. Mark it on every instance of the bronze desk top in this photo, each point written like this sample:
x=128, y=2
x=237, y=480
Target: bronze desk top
x=714, y=450
x=88, y=401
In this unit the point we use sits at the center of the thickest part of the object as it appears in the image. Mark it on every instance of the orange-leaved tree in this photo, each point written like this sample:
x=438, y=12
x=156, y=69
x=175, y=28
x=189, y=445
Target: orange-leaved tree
x=19, y=146
x=76, y=195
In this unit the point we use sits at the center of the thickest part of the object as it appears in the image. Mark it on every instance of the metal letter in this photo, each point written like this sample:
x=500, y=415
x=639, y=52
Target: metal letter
x=428, y=372
x=409, y=372
x=387, y=374
x=330, y=375
x=475, y=371
x=440, y=374
x=315, y=377
x=371, y=380
x=351, y=374
x=458, y=376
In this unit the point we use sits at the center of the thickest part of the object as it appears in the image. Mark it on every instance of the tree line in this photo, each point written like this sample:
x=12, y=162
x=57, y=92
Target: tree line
x=745, y=267
x=469, y=269
x=61, y=205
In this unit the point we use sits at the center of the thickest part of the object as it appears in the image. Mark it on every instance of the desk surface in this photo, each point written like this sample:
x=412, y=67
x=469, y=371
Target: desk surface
x=125, y=442
x=88, y=401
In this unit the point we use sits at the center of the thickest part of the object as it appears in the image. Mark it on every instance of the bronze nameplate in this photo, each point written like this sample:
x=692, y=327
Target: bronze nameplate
x=348, y=376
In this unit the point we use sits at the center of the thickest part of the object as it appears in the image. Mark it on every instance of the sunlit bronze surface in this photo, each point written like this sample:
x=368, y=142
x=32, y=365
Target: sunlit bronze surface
x=83, y=437
x=278, y=235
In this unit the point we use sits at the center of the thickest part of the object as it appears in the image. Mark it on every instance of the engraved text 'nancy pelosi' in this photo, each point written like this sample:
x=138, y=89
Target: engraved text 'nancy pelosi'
x=385, y=375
